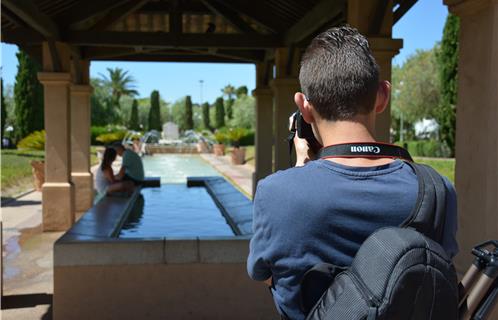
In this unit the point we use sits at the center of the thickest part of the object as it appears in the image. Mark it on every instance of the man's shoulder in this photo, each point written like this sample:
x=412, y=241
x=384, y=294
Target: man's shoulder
x=129, y=154
x=287, y=175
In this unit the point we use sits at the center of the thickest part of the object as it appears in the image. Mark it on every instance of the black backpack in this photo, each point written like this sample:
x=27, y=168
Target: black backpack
x=398, y=272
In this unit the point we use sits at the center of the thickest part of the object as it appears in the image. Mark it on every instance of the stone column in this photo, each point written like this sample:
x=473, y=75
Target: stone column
x=264, y=134
x=263, y=96
x=284, y=86
x=377, y=26
x=80, y=147
x=57, y=198
x=477, y=130
x=384, y=49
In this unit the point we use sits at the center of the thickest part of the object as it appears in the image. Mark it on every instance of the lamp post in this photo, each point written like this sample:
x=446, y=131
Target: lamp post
x=201, y=82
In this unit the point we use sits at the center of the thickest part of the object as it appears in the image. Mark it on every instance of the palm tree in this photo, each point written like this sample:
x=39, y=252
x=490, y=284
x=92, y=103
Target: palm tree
x=229, y=92
x=119, y=83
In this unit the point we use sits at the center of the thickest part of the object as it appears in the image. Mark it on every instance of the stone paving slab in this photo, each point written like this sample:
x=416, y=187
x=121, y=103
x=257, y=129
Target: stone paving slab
x=241, y=175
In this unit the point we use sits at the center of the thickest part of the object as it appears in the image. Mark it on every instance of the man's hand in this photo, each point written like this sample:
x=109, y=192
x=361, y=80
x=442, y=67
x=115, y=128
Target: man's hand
x=303, y=151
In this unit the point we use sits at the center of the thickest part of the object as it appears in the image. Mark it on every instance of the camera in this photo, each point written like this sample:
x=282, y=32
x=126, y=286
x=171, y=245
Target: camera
x=304, y=131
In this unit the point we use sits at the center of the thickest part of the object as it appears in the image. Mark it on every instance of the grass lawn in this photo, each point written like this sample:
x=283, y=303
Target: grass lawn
x=445, y=167
x=16, y=169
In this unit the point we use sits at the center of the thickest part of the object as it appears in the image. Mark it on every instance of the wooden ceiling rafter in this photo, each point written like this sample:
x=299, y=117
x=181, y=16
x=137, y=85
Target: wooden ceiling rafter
x=118, y=14
x=313, y=20
x=403, y=7
x=229, y=14
x=26, y=11
x=163, y=39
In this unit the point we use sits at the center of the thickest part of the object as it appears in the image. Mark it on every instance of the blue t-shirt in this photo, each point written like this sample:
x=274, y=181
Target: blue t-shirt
x=322, y=212
x=133, y=165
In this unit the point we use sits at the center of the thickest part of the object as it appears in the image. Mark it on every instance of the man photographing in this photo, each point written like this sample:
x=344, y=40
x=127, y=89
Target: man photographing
x=323, y=209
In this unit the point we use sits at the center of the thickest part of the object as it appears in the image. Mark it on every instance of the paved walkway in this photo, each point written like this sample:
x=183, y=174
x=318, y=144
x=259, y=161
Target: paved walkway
x=27, y=260
x=239, y=175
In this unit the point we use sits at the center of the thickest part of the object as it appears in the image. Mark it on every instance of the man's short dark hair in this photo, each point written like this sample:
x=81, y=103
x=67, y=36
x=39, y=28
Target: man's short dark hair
x=117, y=145
x=339, y=75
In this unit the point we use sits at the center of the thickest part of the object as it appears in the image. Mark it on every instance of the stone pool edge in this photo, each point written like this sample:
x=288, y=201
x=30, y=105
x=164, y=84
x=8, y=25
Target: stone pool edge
x=93, y=239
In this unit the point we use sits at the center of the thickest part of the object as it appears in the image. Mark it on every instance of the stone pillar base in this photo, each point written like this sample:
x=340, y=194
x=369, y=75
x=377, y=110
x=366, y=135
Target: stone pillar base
x=83, y=190
x=58, y=210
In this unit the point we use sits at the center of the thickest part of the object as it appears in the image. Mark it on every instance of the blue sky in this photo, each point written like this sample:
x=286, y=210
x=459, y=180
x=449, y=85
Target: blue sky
x=420, y=28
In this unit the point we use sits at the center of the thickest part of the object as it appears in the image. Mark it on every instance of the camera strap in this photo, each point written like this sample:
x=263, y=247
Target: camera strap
x=364, y=150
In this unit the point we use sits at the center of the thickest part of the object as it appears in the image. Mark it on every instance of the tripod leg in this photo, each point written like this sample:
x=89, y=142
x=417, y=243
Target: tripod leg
x=475, y=297
x=489, y=303
x=467, y=282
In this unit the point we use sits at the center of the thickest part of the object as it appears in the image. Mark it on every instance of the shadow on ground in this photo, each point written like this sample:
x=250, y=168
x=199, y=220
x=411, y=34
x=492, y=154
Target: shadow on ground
x=20, y=301
x=9, y=202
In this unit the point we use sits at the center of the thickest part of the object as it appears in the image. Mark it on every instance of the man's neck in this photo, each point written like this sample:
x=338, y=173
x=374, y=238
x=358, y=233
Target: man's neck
x=359, y=130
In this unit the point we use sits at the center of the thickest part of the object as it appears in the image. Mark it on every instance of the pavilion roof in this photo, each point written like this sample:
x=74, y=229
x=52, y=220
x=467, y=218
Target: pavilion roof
x=172, y=30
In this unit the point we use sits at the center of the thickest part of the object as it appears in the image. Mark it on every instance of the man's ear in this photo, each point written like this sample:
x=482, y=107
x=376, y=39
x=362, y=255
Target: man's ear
x=304, y=106
x=383, y=94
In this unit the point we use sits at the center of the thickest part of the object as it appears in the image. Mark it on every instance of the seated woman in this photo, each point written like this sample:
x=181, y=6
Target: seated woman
x=105, y=182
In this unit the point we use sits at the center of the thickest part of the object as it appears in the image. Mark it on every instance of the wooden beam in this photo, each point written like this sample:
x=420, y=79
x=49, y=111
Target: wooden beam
x=119, y=13
x=87, y=10
x=159, y=57
x=403, y=8
x=241, y=55
x=6, y=13
x=168, y=40
x=21, y=36
x=34, y=18
x=175, y=18
x=319, y=15
x=229, y=14
x=91, y=53
x=260, y=13
x=162, y=7
x=378, y=18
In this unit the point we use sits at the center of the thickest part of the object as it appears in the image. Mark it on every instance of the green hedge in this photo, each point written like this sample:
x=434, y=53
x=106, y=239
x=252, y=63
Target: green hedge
x=248, y=139
x=426, y=148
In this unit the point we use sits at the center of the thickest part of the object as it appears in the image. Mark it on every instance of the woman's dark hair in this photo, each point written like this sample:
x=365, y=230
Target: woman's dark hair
x=108, y=158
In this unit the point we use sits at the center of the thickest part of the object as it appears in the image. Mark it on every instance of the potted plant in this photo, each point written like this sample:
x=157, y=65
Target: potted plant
x=219, y=147
x=238, y=153
x=38, y=170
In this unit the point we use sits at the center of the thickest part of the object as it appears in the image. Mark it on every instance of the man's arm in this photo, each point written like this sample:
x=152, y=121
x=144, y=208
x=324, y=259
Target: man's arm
x=121, y=173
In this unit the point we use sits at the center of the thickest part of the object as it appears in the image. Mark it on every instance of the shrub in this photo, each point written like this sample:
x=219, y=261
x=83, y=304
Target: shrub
x=108, y=138
x=34, y=141
x=235, y=135
x=220, y=136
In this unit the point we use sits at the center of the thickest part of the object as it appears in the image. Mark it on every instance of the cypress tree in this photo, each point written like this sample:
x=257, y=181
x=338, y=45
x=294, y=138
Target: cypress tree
x=447, y=59
x=205, y=116
x=220, y=113
x=189, y=114
x=154, y=112
x=28, y=97
x=134, y=125
x=230, y=102
x=3, y=110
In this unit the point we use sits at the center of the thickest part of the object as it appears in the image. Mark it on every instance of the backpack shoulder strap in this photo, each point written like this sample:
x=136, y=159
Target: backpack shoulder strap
x=428, y=215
